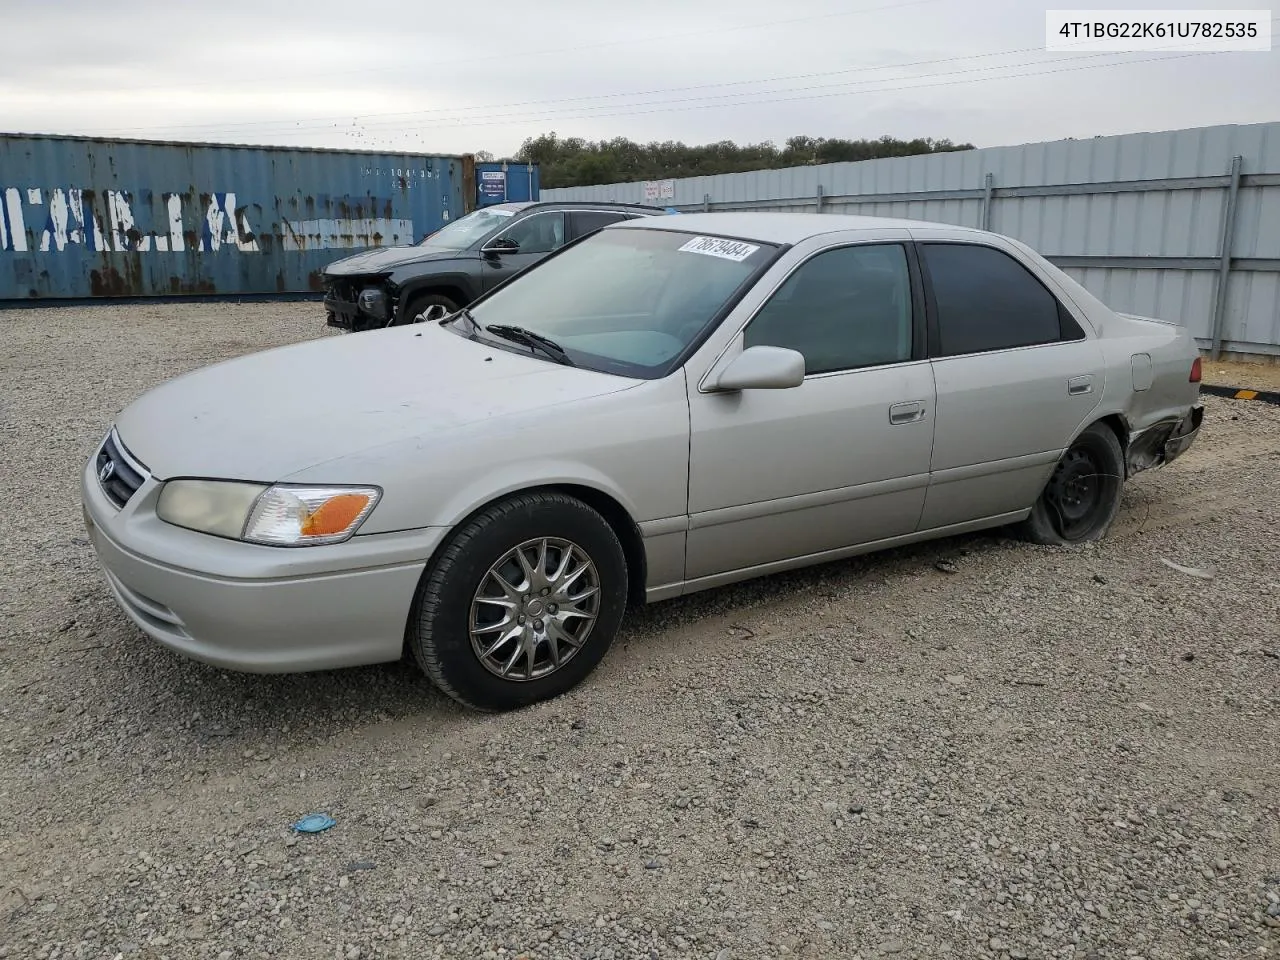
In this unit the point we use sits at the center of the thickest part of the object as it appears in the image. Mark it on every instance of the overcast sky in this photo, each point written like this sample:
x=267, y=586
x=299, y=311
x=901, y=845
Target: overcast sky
x=432, y=77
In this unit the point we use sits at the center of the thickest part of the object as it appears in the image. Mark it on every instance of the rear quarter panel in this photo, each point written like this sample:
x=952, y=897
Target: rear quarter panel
x=1139, y=350
x=1135, y=349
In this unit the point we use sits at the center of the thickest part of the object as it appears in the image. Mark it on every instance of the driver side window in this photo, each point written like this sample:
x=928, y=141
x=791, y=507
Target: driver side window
x=842, y=309
x=540, y=233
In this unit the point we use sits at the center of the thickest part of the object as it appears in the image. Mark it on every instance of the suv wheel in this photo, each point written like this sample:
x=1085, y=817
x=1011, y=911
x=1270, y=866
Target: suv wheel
x=420, y=303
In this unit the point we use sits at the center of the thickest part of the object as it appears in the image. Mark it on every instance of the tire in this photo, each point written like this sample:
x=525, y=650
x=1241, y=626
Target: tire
x=1082, y=497
x=420, y=303
x=457, y=588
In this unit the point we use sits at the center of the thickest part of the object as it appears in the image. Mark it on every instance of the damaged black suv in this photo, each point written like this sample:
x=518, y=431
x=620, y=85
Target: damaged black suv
x=460, y=261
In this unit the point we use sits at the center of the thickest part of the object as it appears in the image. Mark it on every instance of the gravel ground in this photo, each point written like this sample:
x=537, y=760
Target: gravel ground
x=974, y=748
x=1248, y=376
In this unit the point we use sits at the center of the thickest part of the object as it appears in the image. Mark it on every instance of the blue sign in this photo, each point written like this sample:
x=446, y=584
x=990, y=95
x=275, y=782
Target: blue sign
x=493, y=185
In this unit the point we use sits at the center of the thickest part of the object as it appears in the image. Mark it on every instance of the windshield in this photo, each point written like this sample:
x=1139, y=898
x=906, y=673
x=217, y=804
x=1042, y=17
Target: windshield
x=468, y=230
x=628, y=301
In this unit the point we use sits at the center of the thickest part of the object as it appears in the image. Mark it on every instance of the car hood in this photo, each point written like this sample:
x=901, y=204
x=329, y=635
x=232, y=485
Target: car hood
x=267, y=415
x=387, y=258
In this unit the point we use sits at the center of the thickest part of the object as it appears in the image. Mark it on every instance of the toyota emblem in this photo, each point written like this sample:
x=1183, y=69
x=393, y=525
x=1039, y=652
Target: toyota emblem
x=107, y=471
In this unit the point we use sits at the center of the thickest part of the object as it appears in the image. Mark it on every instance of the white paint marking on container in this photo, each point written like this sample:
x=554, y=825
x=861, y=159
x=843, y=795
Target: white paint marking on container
x=33, y=197
x=120, y=218
x=245, y=231
x=17, y=224
x=68, y=222
x=56, y=238
x=220, y=219
x=176, y=242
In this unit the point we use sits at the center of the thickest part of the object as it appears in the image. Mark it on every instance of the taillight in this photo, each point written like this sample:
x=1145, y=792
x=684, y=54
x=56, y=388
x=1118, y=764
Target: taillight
x=1195, y=371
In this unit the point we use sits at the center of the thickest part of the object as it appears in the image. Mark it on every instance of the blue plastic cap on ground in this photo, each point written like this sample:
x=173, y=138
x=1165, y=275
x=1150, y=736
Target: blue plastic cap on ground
x=314, y=823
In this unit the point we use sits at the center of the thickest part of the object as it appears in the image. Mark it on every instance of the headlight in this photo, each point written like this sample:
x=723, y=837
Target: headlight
x=210, y=506
x=373, y=302
x=283, y=515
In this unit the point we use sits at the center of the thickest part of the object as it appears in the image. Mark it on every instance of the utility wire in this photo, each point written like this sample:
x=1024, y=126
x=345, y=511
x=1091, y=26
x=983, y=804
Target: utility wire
x=530, y=51
x=986, y=74
x=461, y=116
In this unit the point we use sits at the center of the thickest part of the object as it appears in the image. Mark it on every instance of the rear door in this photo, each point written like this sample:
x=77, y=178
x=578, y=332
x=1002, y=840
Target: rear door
x=1016, y=377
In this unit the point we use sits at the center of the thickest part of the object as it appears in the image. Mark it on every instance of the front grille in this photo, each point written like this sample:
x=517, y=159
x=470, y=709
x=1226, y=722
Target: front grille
x=119, y=473
x=341, y=297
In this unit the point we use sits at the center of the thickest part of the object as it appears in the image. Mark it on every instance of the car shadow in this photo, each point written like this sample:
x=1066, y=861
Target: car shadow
x=206, y=706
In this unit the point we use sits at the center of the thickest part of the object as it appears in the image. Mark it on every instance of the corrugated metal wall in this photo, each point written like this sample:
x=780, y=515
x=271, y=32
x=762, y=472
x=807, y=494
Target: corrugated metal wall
x=1138, y=219
x=102, y=218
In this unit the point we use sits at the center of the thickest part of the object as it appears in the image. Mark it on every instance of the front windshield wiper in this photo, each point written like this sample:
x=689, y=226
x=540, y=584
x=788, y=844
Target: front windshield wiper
x=531, y=340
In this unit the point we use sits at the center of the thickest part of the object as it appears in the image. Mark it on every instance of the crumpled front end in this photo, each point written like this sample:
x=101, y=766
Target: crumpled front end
x=357, y=303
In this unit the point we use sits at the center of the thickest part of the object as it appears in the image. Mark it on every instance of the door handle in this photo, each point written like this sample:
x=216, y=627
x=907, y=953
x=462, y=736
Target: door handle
x=1079, y=385
x=907, y=412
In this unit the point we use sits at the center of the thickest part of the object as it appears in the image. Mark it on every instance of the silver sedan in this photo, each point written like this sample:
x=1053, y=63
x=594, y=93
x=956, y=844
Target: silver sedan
x=668, y=405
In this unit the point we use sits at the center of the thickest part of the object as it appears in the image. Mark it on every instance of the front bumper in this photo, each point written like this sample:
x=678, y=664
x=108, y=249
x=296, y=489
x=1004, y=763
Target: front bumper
x=256, y=609
x=339, y=313
x=342, y=303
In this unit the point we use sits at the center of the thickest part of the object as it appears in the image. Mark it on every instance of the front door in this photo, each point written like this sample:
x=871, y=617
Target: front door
x=521, y=245
x=842, y=459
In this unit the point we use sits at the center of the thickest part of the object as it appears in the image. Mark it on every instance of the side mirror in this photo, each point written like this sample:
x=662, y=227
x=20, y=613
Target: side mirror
x=433, y=313
x=763, y=368
x=500, y=246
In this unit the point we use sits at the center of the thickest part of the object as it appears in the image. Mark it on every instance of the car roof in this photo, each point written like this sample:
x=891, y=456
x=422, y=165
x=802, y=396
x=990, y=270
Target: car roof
x=594, y=205
x=784, y=228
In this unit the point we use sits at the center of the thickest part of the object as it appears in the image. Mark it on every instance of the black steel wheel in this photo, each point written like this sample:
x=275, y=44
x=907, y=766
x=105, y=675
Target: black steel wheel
x=1082, y=497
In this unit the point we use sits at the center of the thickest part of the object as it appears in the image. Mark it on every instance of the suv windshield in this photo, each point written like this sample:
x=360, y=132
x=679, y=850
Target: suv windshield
x=628, y=301
x=468, y=230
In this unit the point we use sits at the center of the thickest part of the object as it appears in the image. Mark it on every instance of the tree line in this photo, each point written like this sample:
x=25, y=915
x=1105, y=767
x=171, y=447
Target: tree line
x=575, y=162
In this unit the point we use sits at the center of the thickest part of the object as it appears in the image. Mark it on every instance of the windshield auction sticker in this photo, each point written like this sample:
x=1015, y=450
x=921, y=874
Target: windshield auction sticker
x=734, y=250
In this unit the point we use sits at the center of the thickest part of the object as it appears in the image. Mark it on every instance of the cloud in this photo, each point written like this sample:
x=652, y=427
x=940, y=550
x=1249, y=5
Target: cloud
x=401, y=74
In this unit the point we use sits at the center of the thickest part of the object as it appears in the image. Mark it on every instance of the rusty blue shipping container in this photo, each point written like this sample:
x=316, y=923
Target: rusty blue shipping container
x=82, y=217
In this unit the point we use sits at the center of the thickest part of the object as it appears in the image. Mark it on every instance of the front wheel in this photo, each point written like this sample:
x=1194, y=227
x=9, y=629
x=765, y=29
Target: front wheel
x=419, y=305
x=522, y=603
x=1082, y=496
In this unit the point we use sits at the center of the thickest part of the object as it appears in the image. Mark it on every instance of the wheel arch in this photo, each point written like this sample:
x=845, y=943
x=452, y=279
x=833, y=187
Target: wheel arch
x=458, y=287
x=605, y=503
x=1118, y=424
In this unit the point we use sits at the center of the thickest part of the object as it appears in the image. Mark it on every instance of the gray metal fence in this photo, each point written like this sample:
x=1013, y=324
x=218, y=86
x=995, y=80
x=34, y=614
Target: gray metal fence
x=1182, y=225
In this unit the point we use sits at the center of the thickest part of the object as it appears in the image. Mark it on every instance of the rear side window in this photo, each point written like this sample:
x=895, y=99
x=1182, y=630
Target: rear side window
x=588, y=221
x=985, y=300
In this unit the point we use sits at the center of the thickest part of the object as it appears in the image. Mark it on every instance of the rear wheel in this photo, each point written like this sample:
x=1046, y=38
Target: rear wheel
x=522, y=603
x=420, y=303
x=1082, y=496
